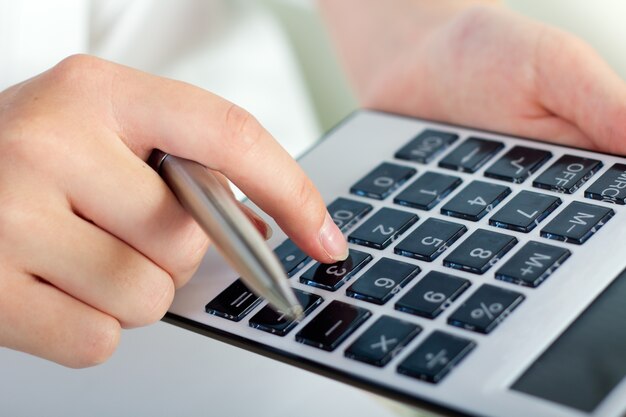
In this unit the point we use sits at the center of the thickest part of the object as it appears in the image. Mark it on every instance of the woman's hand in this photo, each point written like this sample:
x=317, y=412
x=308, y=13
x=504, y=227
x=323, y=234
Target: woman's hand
x=480, y=65
x=91, y=239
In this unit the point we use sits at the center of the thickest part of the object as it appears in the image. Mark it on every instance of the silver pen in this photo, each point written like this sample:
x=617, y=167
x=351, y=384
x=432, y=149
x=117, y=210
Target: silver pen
x=239, y=242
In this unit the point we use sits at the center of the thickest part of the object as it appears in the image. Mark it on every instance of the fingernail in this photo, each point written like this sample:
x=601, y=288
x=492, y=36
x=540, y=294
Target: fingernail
x=264, y=228
x=333, y=241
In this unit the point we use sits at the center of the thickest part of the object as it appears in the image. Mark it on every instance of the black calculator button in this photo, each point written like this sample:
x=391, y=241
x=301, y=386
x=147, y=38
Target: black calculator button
x=382, y=341
x=430, y=239
x=332, y=276
x=476, y=200
x=427, y=191
x=432, y=294
x=382, y=181
x=345, y=213
x=485, y=309
x=436, y=356
x=425, y=146
x=577, y=222
x=481, y=250
x=275, y=322
x=384, y=279
x=518, y=164
x=291, y=257
x=234, y=303
x=532, y=264
x=332, y=325
x=610, y=187
x=524, y=211
x=567, y=174
x=382, y=228
x=471, y=155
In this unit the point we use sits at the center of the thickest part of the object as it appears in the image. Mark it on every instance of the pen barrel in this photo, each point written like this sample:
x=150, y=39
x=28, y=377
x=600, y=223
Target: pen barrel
x=239, y=242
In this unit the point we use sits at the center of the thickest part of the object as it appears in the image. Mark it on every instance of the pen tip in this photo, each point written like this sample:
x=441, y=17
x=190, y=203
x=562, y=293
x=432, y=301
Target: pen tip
x=297, y=312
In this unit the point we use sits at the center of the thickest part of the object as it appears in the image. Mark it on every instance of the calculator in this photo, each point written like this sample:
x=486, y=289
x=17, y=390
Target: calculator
x=486, y=273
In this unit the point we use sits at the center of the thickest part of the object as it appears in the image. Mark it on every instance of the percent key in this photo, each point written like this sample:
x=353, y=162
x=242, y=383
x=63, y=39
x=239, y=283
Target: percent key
x=485, y=309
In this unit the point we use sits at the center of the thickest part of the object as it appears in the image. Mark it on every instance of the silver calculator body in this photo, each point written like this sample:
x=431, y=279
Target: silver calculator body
x=531, y=363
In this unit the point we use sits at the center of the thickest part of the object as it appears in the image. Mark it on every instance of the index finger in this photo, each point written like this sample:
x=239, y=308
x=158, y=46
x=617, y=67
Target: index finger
x=178, y=118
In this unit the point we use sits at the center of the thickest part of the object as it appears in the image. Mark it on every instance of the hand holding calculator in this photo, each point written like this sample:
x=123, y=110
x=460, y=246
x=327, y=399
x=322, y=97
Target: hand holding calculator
x=485, y=274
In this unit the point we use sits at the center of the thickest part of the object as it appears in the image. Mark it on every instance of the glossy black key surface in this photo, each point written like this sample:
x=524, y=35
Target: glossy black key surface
x=427, y=191
x=485, y=309
x=471, y=155
x=382, y=228
x=518, y=164
x=577, y=222
x=567, y=174
x=436, y=356
x=480, y=251
x=524, y=211
x=432, y=294
x=275, y=322
x=610, y=187
x=425, y=146
x=382, y=341
x=532, y=264
x=475, y=201
x=332, y=325
x=345, y=213
x=291, y=257
x=430, y=239
x=332, y=276
x=384, y=279
x=382, y=181
x=234, y=303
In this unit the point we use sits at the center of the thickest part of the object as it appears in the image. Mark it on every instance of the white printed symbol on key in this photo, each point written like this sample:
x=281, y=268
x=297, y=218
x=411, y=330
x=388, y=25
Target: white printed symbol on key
x=518, y=164
x=383, y=343
x=290, y=258
x=437, y=359
x=485, y=310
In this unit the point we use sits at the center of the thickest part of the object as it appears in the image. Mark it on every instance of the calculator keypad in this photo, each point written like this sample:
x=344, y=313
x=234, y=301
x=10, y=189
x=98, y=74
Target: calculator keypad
x=291, y=257
x=476, y=200
x=382, y=341
x=610, y=187
x=427, y=191
x=332, y=276
x=332, y=325
x=518, y=164
x=532, y=264
x=577, y=222
x=406, y=274
x=471, y=155
x=524, y=211
x=234, y=303
x=480, y=251
x=436, y=356
x=382, y=181
x=432, y=294
x=485, y=309
x=425, y=146
x=382, y=228
x=384, y=279
x=430, y=239
x=345, y=213
x=275, y=322
x=567, y=174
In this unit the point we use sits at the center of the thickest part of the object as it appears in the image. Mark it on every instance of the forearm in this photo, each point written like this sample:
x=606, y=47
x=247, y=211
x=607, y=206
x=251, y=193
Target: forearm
x=368, y=32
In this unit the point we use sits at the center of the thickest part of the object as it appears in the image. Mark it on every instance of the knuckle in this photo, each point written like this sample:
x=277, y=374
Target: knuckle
x=192, y=250
x=97, y=345
x=241, y=129
x=155, y=297
x=74, y=68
